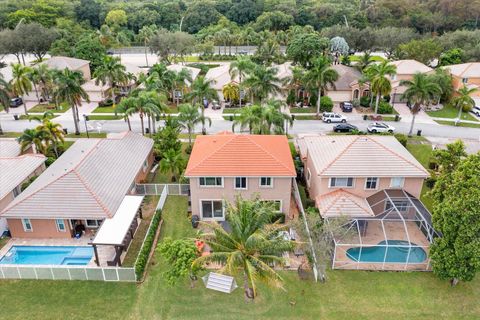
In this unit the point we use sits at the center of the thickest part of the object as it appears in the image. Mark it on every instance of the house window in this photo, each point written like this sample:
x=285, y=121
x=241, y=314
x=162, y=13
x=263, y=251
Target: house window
x=341, y=182
x=401, y=205
x=465, y=80
x=93, y=223
x=394, y=77
x=397, y=182
x=145, y=165
x=241, y=183
x=371, y=183
x=277, y=204
x=27, y=225
x=60, y=225
x=266, y=182
x=16, y=191
x=212, y=209
x=211, y=181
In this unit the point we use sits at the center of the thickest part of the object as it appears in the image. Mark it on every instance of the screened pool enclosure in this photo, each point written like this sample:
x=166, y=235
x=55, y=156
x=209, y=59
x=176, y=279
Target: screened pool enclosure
x=397, y=237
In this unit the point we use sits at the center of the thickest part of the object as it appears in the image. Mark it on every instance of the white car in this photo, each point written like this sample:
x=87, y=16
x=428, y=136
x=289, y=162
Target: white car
x=476, y=111
x=380, y=127
x=329, y=117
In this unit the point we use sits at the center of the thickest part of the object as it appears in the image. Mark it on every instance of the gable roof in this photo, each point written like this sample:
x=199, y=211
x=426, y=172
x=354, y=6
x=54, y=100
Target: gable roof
x=220, y=75
x=14, y=170
x=89, y=180
x=465, y=70
x=228, y=154
x=60, y=63
x=346, y=76
x=178, y=67
x=360, y=156
x=9, y=148
x=410, y=66
x=341, y=202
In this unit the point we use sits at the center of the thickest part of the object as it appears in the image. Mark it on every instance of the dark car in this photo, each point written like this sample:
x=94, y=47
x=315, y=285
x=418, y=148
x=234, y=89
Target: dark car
x=346, y=106
x=345, y=127
x=16, y=102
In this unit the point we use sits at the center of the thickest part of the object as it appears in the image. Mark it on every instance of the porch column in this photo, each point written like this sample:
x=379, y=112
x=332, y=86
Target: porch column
x=96, y=255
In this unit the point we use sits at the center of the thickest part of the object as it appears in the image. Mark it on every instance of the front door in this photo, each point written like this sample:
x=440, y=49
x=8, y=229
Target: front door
x=212, y=210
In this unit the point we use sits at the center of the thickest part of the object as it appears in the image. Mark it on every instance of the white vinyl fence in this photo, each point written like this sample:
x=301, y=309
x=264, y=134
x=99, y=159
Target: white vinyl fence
x=157, y=189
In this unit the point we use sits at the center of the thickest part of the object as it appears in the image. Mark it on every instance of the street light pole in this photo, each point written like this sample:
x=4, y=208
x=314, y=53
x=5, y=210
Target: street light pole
x=85, y=118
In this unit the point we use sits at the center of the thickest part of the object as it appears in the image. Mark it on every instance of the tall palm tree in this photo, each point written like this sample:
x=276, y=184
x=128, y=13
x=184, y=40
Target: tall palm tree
x=111, y=72
x=34, y=77
x=173, y=161
x=54, y=134
x=4, y=97
x=239, y=68
x=69, y=90
x=146, y=103
x=379, y=83
x=231, y=92
x=145, y=34
x=188, y=117
x=463, y=101
x=265, y=119
x=364, y=60
x=252, y=246
x=180, y=81
x=249, y=117
x=420, y=91
x=320, y=76
x=201, y=88
x=127, y=107
x=45, y=77
x=263, y=82
x=33, y=137
x=20, y=83
x=164, y=78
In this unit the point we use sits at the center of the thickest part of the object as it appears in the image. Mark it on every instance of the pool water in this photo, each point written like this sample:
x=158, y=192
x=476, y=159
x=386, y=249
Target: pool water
x=48, y=255
x=397, y=252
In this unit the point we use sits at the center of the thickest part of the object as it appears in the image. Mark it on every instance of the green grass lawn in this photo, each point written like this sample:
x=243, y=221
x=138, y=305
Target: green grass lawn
x=303, y=110
x=451, y=113
x=346, y=294
x=231, y=110
x=109, y=109
x=41, y=108
x=84, y=135
x=421, y=149
x=461, y=124
x=104, y=117
x=10, y=134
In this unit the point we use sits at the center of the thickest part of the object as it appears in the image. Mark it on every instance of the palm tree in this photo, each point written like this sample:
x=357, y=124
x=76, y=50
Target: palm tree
x=231, y=92
x=34, y=77
x=249, y=117
x=147, y=103
x=180, y=82
x=45, y=77
x=145, y=34
x=164, y=78
x=33, y=137
x=188, y=117
x=262, y=82
x=463, y=101
x=420, y=91
x=111, y=72
x=127, y=107
x=69, y=90
x=364, y=60
x=320, y=76
x=202, y=89
x=266, y=119
x=173, y=161
x=252, y=246
x=239, y=68
x=20, y=83
x=379, y=83
x=53, y=133
x=4, y=97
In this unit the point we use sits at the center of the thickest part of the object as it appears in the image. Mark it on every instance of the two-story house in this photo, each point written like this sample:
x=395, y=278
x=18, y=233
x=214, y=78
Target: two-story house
x=466, y=74
x=341, y=172
x=16, y=170
x=406, y=69
x=225, y=165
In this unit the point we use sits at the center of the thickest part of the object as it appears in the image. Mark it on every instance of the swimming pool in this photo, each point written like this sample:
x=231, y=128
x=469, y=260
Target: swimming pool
x=48, y=255
x=397, y=252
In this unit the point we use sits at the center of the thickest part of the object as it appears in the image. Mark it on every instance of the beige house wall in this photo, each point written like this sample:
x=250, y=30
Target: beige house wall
x=458, y=83
x=86, y=72
x=340, y=96
x=41, y=228
x=281, y=190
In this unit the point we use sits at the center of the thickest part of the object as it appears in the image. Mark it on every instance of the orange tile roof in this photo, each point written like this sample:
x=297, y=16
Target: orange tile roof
x=228, y=154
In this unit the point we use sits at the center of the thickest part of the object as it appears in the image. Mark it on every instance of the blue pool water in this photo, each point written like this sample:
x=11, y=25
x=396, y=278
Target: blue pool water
x=49, y=255
x=397, y=252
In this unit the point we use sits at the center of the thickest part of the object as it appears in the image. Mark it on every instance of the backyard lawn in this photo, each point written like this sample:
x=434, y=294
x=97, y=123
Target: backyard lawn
x=451, y=113
x=421, y=149
x=346, y=294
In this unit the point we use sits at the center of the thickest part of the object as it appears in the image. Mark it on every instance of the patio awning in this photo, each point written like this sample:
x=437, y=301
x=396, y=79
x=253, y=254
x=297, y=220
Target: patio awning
x=114, y=230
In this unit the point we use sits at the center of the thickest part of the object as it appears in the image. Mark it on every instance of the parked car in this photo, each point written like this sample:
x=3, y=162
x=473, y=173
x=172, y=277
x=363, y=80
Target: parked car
x=344, y=127
x=16, y=102
x=333, y=117
x=346, y=106
x=375, y=127
x=216, y=105
x=476, y=111
x=244, y=52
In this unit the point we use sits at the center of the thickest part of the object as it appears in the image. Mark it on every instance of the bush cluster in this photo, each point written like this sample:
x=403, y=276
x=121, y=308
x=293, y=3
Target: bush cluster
x=142, y=258
x=385, y=108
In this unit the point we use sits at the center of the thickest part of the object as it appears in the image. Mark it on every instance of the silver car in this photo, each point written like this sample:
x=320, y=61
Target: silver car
x=379, y=127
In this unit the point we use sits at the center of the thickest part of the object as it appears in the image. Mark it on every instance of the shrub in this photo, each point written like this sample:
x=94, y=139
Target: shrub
x=105, y=103
x=365, y=101
x=142, y=258
x=401, y=138
x=385, y=108
x=310, y=203
x=291, y=98
x=326, y=104
x=188, y=149
x=28, y=182
x=356, y=103
x=430, y=182
x=49, y=161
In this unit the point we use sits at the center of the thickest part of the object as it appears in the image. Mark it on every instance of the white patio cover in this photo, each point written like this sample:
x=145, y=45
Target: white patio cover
x=113, y=231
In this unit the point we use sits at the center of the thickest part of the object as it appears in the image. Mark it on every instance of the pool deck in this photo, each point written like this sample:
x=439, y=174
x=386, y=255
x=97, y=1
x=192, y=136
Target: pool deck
x=374, y=235
x=105, y=253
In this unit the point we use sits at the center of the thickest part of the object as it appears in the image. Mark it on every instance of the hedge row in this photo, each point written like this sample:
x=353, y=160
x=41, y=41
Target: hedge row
x=142, y=258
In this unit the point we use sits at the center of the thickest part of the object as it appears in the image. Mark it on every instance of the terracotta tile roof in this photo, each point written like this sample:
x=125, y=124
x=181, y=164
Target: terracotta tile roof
x=227, y=154
x=360, y=156
x=341, y=202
